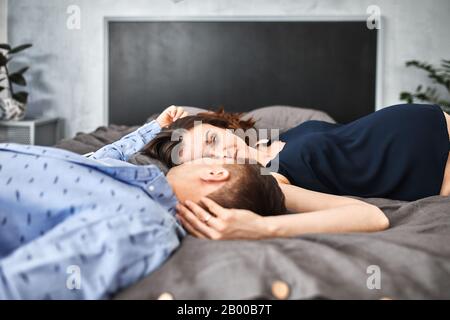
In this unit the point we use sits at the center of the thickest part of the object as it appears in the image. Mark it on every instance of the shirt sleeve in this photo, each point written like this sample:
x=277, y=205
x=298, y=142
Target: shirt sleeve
x=124, y=148
x=88, y=257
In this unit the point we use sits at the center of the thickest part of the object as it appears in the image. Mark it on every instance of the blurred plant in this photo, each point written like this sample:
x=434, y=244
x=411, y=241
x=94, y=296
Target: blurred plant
x=439, y=75
x=16, y=77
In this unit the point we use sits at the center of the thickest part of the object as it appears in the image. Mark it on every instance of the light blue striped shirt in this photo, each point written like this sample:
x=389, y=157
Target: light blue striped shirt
x=73, y=227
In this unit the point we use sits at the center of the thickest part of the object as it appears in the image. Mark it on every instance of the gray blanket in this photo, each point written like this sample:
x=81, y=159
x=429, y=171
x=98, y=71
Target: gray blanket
x=412, y=257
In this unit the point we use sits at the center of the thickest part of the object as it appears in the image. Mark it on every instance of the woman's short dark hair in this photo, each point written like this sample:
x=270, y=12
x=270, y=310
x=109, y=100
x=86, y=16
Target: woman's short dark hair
x=162, y=145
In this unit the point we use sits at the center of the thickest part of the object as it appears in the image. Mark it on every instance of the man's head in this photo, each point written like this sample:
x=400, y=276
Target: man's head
x=239, y=186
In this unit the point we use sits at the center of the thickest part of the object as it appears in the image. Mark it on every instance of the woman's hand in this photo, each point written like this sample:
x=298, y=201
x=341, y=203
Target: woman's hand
x=170, y=115
x=220, y=223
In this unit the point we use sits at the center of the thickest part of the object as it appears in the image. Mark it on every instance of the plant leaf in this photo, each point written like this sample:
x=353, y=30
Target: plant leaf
x=445, y=61
x=406, y=96
x=21, y=96
x=20, y=48
x=433, y=72
x=22, y=70
x=5, y=46
x=3, y=60
x=18, y=79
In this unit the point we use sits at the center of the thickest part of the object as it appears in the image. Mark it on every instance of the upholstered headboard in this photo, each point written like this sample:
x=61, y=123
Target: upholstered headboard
x=241, y=64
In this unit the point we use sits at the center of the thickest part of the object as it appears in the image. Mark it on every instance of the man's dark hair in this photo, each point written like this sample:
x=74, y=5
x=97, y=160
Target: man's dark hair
x=251, y=190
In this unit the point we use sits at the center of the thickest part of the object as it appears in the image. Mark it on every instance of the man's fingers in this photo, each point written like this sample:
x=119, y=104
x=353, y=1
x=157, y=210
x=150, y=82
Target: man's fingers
x=213, y=207
x=185, y=114
x=171, y=111
x=179, y=112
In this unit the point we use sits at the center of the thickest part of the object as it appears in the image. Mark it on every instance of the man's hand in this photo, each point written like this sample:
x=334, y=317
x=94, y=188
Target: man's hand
x=220, y=223
x=170, y=115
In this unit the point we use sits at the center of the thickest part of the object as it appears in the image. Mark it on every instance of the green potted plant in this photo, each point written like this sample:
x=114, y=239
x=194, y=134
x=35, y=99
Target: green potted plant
x=13, y=106
x=438, y=75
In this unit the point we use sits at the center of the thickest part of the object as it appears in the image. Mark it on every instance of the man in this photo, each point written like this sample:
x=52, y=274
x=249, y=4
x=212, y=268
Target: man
x=73, y=227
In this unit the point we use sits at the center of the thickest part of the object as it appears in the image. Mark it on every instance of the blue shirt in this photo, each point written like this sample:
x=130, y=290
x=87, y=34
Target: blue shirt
x=73, y=227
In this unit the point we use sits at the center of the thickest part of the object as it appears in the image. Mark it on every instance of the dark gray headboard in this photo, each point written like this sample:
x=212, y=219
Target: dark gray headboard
x=241, y=65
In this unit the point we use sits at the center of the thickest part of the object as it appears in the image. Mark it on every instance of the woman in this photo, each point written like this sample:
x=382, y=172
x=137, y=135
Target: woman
x=312, y=212
x=399, y=152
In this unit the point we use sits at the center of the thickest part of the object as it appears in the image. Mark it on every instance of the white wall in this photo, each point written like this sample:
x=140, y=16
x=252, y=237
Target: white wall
x=67, y=66
x=3, y=31
x=3, y=15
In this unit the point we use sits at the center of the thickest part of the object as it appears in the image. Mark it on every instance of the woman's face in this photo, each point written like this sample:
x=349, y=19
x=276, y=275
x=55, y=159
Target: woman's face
x=208, y=141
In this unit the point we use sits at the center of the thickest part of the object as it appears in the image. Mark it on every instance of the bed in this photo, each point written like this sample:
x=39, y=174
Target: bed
x=410, y=260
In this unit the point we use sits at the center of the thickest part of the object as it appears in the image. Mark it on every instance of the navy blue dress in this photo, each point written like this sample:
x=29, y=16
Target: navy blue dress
x=398, y=152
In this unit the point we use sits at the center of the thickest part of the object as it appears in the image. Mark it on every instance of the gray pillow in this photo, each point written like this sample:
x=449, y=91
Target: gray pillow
x=275, y=117
x=285, y=117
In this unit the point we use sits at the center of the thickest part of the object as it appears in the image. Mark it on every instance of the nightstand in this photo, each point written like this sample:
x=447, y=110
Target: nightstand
x=42, y=131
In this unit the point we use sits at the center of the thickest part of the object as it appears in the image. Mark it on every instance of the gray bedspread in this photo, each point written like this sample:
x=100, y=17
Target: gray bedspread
x=88, y=142
x=413, y=256
x=413, y=259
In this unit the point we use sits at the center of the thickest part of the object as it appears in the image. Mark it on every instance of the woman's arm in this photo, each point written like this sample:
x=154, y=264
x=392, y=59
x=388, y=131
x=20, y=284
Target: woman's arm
x=347, y=215
x=124, y=148
x=322, y=212
x=303, y=200
x=346, y=218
